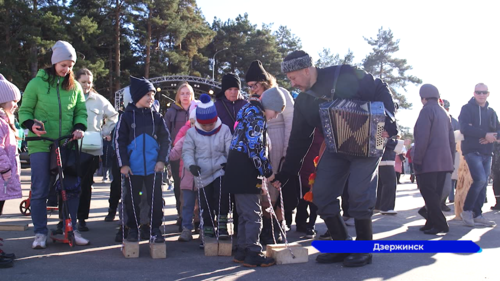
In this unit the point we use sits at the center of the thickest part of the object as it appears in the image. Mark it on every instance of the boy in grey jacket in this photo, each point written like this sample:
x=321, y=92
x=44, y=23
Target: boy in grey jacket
x=204, y=152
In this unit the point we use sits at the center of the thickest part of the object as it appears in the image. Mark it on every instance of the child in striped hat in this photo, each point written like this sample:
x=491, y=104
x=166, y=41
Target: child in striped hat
x=207, y=121
x=204, y=153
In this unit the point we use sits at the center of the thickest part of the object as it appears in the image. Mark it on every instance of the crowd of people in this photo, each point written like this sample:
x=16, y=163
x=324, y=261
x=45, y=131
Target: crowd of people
x=249, y=161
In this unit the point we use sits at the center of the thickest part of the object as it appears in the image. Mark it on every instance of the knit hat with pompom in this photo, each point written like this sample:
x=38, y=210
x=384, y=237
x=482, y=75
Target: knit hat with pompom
x=206, y=113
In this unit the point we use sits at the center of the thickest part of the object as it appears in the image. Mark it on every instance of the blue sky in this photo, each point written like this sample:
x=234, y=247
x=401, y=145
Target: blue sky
x=453, y=45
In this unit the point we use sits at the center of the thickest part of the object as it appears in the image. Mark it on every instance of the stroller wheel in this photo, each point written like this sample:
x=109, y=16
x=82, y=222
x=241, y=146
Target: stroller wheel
x=25, y=208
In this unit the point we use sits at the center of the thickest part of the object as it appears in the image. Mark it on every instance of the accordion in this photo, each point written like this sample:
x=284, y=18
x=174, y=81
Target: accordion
x=353, y=127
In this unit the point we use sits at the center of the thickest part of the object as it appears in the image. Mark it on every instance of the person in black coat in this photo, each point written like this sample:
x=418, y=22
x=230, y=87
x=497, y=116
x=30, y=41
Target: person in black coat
x=433, y=156
x=335, y=169
x=480, y=126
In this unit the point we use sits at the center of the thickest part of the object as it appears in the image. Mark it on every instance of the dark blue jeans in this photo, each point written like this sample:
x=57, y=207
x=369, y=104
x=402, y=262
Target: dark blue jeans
x=40, y=185
x=480, y=168
x=41, y=179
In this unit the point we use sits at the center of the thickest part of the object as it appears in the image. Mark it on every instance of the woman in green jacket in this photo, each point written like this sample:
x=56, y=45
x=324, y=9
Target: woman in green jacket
x=55, y=99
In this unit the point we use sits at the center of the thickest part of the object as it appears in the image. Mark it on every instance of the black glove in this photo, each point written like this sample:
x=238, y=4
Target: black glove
x=223, y=165
x=195, y=170
x=282, y=177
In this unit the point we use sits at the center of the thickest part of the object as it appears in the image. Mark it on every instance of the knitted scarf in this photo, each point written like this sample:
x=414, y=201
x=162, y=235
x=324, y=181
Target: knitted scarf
x=218, y=125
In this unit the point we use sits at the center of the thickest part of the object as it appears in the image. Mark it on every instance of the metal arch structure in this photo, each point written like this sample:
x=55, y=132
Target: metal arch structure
x=170, y=83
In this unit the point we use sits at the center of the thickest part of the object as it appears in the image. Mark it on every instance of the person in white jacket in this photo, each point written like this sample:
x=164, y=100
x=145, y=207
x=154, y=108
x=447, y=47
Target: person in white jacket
x=204, y=152
x=101, y=121
x=258, y=81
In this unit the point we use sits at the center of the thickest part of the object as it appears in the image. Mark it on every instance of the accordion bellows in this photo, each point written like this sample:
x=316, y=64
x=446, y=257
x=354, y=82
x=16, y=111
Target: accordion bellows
x=353, y=127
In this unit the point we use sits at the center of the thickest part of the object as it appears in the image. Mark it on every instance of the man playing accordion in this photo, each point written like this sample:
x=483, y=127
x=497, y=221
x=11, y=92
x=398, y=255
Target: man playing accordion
x=319, y=86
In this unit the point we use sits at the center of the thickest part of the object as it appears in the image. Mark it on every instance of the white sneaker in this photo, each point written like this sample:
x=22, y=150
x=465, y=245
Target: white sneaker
x=79, y=240
x=482, y=220
x=40, y=241
x=185, y=236
x=467, y=218
x=390, y=212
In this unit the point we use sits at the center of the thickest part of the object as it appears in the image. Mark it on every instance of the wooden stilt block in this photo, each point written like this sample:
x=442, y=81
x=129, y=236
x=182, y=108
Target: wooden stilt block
x=13, y=227
x=158, y=250
x=130, y=249
x=211, y=247
x=225, y=248
x=282, y=255
x=270, y=248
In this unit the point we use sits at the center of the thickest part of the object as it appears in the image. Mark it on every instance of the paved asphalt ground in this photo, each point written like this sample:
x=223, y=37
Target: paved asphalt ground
x=103, y=260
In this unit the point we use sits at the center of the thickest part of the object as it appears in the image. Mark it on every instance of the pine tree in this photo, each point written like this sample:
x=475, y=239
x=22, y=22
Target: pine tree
x=151, y=22
x=233, y=36
x=326, y=58
x=92, y=27
x=13, y=57
x=243, y=42
x=30, y=29
x=287, y=41
x=118, y=38
x=175, y=31
x=381, y=63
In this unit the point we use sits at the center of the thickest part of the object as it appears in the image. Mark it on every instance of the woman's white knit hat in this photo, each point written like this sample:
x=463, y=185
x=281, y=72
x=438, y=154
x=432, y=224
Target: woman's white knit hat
x=8, y=91
x=62, y=51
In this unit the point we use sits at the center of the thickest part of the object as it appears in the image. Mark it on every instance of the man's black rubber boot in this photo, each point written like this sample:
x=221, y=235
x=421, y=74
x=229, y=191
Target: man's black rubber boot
x=239, y=255
x=363, y=232
x=338, y=231
x=254, y=259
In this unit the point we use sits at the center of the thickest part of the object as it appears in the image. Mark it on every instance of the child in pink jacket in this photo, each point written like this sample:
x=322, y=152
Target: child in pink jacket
x=10, y=183
x=187, y=187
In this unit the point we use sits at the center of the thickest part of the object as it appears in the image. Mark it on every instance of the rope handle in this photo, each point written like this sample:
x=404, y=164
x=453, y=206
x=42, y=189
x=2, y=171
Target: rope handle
x=133, y=208
x=200, y=186
x=273, y=215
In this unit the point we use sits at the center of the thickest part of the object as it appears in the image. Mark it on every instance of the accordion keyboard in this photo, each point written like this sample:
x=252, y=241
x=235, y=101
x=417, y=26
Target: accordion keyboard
x=354, y=127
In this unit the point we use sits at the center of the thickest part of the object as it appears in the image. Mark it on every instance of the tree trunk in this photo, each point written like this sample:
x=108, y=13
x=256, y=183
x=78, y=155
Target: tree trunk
x=34, y=49
x=111, y=92
x=148, y=46
x=157, y=48
x=117, y=45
